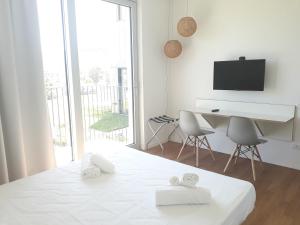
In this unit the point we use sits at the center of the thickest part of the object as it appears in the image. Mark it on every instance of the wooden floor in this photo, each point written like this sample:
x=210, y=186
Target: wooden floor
x=277, y=188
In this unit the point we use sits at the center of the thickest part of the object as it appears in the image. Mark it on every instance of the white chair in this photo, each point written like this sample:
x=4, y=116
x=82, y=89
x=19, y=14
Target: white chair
x=242, y=132
x=195, y=135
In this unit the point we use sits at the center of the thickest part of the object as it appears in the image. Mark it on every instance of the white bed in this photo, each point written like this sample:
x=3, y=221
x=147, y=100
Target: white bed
x=62, y=197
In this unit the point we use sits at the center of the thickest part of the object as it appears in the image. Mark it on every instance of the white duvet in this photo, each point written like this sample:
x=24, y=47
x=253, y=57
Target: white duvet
x=62, y=197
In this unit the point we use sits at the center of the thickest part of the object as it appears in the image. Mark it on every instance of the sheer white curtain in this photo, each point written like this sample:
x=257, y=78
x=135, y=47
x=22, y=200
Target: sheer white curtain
x=25, y=140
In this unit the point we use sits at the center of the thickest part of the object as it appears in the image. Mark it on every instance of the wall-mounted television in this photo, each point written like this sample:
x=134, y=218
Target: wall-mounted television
x=242, y=75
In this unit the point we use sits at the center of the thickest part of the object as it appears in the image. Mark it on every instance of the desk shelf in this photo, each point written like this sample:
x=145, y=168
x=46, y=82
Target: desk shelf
x=272, y=121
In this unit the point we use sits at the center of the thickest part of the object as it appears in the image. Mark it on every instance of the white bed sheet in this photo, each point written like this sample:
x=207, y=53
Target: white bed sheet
x=62, y=197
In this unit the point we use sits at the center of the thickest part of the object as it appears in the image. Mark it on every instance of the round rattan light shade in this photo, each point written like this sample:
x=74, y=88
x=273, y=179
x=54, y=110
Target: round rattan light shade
x=173, y=48
x=187, y=26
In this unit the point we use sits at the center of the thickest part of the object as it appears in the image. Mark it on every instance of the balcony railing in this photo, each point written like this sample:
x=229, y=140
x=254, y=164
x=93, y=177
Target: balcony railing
x=104, y=112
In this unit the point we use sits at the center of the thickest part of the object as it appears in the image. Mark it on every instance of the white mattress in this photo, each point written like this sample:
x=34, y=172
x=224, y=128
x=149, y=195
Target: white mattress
x=61, y=197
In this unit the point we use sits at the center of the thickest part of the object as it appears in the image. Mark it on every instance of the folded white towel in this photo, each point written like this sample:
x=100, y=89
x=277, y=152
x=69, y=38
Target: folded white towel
x=88, y=169
x=105, y=165
x=182, y=196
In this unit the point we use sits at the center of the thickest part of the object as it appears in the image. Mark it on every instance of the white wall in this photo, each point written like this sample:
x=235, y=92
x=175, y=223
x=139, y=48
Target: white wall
x=152, y=34
x=226, y=30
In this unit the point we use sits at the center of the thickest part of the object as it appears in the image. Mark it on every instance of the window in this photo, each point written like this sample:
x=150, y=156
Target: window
x=89, y=66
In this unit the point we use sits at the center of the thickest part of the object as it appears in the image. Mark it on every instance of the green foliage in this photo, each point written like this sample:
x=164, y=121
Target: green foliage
x=110, y=122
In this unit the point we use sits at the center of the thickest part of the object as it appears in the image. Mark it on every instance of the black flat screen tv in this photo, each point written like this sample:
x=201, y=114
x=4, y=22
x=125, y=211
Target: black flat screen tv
x=242, y=75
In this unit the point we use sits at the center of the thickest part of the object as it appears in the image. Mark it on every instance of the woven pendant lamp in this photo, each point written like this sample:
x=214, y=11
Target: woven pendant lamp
x=172, y=48
x=187, y=25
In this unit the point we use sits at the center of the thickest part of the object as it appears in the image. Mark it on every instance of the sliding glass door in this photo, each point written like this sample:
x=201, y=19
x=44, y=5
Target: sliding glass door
x=104, y=52
x=96, y=59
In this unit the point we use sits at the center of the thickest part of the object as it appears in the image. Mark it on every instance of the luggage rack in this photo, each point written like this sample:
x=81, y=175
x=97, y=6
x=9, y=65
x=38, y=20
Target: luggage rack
x=162, y=121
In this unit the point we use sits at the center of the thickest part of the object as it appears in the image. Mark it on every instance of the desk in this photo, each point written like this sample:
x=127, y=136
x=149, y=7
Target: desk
x=254, y=116
x=270, y=119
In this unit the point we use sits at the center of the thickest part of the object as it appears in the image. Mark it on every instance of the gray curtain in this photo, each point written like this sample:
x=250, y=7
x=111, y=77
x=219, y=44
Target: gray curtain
x=25, y=136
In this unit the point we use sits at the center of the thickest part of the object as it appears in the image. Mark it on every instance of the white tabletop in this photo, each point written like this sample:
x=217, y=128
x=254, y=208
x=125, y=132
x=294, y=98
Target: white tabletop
x=254, y=116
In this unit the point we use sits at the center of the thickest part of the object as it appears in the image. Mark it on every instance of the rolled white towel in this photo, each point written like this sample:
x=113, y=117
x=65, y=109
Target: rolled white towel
x=88, y=169
x=182, y=196
x=190, y=179
x=174, y=181
x=104, y=164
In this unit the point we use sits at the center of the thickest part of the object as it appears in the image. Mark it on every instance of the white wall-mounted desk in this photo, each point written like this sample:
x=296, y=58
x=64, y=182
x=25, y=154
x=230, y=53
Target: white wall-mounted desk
x=254, y=116
x=273, y=121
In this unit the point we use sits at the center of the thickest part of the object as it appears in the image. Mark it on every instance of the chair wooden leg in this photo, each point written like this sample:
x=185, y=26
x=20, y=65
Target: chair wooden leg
x=197, y=152
x=209, y=148
x=238, y=154
x=258, y=155
x=230, y=158
x=200, y=143
x=182, y=147
x=193, y=142
x=252, y=164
